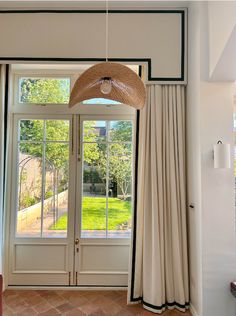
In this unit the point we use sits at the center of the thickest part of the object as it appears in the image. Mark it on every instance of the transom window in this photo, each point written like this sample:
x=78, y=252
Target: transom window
x=53, y=88
x=100, y=101
x=39, y=90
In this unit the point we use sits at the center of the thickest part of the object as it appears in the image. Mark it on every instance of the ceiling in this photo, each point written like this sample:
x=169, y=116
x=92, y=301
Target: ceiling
x=90, y=4
x=225, y=69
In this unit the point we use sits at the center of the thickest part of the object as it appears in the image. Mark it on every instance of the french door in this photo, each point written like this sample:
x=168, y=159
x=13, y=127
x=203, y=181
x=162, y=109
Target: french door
x=71, y=208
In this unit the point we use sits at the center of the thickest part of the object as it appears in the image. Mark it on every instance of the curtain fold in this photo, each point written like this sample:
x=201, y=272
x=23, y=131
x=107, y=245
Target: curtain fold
x=159, y=261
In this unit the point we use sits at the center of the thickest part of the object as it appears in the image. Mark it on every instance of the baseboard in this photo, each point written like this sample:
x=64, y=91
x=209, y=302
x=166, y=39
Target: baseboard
x=3, y=286
x=193, y=310
x=75, y=288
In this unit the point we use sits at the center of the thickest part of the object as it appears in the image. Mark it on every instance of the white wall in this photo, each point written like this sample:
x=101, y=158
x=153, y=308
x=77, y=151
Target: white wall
x=212, y=238
x=212, y=222
x=218, y=213
x=193, y=155
x=217, y=188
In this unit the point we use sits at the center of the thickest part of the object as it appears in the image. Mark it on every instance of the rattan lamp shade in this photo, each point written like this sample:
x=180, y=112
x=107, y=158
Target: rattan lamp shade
x=127, y=86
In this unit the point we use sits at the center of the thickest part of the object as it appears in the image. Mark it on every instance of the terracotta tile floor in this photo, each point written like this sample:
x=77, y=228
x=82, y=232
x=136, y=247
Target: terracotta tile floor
x=72, y=303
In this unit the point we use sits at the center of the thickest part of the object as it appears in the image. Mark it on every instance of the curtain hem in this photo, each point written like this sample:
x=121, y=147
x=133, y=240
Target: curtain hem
x=158, y=309
x=167, y=306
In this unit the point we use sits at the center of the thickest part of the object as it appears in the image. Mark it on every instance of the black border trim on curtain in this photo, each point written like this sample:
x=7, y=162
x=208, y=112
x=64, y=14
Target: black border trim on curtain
x=5, y=133
x=167, y=304
x=181, y=78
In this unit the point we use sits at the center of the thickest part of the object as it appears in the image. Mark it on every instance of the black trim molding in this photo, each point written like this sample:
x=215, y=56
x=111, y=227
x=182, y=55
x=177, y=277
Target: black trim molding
x=88, y=11
x=148, y=61
x=5, y=131
x=135, y=210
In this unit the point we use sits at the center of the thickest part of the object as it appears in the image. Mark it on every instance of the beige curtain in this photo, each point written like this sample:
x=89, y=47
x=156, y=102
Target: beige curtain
x=159, y=261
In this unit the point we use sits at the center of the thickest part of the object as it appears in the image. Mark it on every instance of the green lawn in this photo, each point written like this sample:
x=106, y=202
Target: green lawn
x=94, y=214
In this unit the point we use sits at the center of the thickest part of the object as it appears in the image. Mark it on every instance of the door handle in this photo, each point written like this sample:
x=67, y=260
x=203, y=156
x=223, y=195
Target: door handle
x=76, y=241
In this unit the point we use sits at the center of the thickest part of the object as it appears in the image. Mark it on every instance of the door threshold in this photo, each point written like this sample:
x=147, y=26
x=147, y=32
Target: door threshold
x=73, y=288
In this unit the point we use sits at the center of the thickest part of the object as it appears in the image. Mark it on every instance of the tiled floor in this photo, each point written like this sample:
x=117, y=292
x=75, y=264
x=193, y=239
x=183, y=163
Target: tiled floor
x=72, y=303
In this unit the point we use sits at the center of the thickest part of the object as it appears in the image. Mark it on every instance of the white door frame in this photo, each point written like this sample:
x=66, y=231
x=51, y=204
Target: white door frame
x=17, y=111
x=95, y=277
x=65, y=277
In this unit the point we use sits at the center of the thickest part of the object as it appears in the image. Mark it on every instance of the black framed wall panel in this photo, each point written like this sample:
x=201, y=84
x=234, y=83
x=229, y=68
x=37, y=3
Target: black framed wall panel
x=155, y=38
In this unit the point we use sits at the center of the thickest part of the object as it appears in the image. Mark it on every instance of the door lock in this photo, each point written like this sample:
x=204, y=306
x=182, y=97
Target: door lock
x=77, y=241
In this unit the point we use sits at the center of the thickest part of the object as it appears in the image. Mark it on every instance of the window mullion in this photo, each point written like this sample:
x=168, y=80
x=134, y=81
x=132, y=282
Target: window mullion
x=107, y=177
x=43, y=175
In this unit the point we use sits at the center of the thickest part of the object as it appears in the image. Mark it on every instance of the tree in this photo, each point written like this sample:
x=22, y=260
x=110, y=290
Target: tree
x=120, y=162
x=91, y=150
x=121, y=131
x=56, y=153
x=120, y=153
x=44, y=90
x=120, y=166
x=54, y=130
x=94, y=153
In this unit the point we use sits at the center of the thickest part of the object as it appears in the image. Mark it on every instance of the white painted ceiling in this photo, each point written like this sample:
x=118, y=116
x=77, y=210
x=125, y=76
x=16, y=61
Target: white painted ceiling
x=225, y=69
x=90, y=4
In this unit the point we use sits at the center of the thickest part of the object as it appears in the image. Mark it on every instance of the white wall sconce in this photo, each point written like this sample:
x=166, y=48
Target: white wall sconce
x=221, y=155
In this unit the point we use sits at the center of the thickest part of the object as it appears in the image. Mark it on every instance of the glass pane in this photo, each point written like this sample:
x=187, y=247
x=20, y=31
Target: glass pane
x=29, y=190
x=107, y=212
x=100, y=101
x=44, y=90
x=121, y=154
x=94, y=191
x=57, y=130
x=94, y=131
x=120, y=190
x=55, y=204
x=120, y=131
x=31, y=130
x=119, y=218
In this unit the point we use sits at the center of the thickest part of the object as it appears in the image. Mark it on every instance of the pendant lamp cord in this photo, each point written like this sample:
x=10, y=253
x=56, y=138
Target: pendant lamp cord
x=107, y=30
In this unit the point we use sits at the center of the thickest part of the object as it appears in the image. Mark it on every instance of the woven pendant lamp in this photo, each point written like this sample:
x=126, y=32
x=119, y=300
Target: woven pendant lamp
x=108, y=80
x=111, y=81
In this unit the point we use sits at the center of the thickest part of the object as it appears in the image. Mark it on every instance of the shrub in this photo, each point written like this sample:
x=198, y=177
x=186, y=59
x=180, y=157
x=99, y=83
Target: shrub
x=92, y=176
x=28, y=201
x=48, y=194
